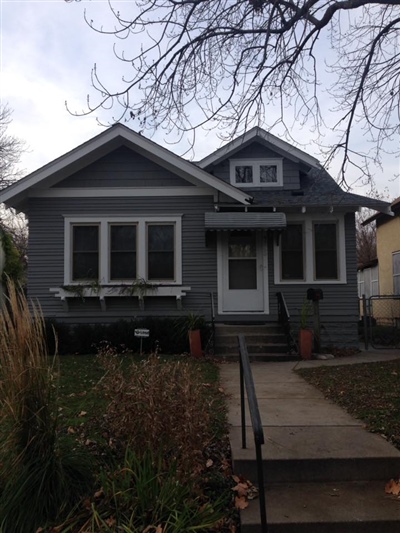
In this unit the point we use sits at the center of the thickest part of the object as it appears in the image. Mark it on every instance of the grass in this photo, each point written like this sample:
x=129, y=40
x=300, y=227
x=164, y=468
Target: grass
x=369, y=392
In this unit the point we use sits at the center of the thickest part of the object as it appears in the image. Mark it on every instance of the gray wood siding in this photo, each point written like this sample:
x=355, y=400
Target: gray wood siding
x=123, y=168
x=291, y=173
x=46, y=256
x=339, y=309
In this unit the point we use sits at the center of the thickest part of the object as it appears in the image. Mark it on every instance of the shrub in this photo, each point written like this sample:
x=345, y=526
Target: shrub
x=170, y=335
x=39, y=478
x=161, y=406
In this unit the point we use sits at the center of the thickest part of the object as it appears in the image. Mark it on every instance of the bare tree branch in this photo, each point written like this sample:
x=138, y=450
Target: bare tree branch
x=222, y=63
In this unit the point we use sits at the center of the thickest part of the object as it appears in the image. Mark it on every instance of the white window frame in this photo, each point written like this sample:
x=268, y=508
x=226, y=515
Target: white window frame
x=256, y=164
x=394, y=275
x=104, y=223
x=308, y=252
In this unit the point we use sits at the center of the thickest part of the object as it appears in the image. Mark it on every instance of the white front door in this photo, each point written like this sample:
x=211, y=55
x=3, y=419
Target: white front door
x=242, y=272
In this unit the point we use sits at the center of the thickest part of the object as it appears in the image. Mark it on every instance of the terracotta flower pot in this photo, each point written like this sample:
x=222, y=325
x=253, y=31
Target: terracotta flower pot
x=195, y=343
x=305, y=343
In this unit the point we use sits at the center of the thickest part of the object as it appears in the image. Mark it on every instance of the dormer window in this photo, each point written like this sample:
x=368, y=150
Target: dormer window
x=256, y=173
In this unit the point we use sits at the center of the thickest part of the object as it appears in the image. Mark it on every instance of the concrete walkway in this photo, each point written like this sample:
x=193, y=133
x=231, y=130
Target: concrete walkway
x=308, y=439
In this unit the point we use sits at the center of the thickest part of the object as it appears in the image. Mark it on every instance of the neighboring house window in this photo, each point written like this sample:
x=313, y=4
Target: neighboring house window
x=396, y=273
x=311, y=251
x=292, y=253
x=122, y=249
x=325, y=251
x=360, y=283
x=85, y=252
x=256, y=173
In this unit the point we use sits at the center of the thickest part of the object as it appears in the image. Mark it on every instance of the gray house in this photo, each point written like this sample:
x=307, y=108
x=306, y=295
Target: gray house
x=121, y=227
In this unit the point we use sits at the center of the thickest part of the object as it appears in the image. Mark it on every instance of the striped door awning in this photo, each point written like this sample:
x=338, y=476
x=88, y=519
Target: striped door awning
x=244, y=221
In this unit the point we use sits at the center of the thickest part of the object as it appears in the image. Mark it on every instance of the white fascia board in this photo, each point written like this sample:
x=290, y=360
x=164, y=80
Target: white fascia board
x=119, y=192
x=157, y=153
x=281, y=145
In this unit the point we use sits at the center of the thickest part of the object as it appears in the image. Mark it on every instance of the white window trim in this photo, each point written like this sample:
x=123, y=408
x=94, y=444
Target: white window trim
x=393, y=274
x=256, y=164
x=309, y=275
x=104, y=236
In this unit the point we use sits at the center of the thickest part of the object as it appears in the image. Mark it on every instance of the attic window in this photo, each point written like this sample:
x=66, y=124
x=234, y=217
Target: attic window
x=256, y=173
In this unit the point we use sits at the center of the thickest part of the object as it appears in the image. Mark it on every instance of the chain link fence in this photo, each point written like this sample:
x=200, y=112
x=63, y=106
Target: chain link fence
x=380, y=321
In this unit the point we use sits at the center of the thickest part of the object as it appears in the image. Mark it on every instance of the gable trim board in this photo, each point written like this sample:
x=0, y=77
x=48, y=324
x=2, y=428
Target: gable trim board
x=282, y=147
x=91, y=192
x=107, y=141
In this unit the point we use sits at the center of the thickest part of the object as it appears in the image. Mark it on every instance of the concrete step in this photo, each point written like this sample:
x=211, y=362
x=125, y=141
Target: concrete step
x=252, y=338
x=273, y=357
x=316, y=454
x=247, y=329
x=344, y=507
x=252, y=349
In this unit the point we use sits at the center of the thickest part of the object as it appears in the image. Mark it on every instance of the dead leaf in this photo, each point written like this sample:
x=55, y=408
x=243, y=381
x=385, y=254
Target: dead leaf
x=236, y=478
x=241, y=503
x=393, y=487
x=110, y=521
x=241, y=489
x=99, y=494
x=71, y=430
x=83, y=413
x=159, y=529
x=209, y=463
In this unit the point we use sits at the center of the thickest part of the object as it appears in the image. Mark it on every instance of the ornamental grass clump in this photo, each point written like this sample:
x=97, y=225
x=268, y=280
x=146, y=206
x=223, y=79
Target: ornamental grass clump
x=160, y=406
x=38, y=478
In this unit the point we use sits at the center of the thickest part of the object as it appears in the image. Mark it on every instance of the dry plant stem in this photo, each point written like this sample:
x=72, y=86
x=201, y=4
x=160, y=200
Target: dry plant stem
x=159, y=406
x=26, y=384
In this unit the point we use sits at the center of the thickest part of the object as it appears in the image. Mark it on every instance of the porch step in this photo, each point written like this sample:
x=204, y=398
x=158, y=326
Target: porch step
x=265, y=342
x=331, y=507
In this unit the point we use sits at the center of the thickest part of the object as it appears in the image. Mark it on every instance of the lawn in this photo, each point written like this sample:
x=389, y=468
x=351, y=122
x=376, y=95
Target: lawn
x=369, y=392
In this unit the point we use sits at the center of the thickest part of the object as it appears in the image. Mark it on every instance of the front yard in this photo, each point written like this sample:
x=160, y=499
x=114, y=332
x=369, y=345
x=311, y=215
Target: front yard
x=369, y=392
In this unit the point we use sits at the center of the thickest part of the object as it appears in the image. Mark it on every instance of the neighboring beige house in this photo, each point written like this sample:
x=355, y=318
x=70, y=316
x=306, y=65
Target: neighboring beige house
x=2, y=263
x=387, y=270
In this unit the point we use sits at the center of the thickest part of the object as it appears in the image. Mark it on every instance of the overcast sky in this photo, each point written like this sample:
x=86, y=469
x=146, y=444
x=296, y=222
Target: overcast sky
x=47, y=52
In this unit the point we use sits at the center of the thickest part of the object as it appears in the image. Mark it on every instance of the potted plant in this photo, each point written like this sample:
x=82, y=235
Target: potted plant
x=305, y=333
x=194, y=323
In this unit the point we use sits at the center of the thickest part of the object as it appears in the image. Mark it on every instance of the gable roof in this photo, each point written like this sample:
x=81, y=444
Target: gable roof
x=88, y=152
x=257, y=133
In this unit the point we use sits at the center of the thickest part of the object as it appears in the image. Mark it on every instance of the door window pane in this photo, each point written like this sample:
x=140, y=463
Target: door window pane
x=122, y=252
x=242, y=250
x=292, y=257
x=160, y=252
x=85, y=252
x=325, y=250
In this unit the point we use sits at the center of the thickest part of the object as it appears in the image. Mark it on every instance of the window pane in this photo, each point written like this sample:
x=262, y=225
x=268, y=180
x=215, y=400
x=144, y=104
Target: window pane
x=243, y=174
x=161, y=253
x=268, y=174
x=122, y=252
x=325, y=247
x=242, y=244
x=242, y=274
x=292, y=261
x=85, y=253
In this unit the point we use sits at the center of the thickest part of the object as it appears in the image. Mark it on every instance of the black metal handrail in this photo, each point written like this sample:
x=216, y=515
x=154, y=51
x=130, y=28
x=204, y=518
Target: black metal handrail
x=246, y=380
x=284, y=320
